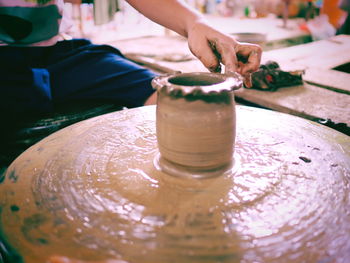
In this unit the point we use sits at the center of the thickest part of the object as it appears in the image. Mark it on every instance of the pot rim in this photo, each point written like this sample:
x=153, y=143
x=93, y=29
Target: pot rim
x=221, y=83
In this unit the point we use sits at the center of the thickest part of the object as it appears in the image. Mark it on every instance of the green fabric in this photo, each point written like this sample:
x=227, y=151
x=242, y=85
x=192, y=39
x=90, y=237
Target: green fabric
x=28, y=25
x=104, y=11
x=42, y=2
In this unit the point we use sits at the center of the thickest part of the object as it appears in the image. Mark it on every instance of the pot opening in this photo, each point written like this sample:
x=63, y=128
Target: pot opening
x=196, y=80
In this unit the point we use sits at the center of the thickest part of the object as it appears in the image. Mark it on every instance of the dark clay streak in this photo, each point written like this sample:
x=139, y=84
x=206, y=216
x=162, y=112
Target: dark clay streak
x=305, y=159
x=13, y=177
x=222, y=98
x=30, y=229
x=42, y=241
x=2, y=177
x=14, y=208
x=40, y=149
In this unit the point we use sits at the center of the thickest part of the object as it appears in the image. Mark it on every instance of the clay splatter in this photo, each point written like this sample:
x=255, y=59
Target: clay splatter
x=14, y=208
x=13, y=177
x=305, y=159
x=30, y=229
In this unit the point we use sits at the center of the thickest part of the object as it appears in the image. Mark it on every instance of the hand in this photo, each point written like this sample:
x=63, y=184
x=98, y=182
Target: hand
x=214, y=48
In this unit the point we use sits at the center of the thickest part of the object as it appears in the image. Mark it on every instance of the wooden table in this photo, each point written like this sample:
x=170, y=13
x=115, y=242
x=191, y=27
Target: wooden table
x=325, y=93
x=277, y=36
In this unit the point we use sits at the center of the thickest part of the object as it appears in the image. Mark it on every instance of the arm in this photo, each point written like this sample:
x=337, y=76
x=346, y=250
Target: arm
x=173, y=14
x=209, y=45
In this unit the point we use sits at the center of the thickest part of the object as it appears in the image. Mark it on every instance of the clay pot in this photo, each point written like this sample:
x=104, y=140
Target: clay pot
x=196, y=122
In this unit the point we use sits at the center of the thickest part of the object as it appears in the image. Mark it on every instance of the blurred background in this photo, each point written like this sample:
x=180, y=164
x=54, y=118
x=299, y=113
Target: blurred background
x=108, y=20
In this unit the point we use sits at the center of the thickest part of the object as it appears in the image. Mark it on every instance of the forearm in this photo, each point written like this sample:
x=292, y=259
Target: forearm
x=173, y=14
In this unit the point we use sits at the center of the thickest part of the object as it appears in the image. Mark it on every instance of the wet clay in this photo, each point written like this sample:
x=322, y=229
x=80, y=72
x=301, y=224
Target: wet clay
x=91, y=191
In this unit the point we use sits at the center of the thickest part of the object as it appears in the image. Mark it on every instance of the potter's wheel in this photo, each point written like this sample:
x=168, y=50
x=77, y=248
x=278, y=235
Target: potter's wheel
x=91, y=191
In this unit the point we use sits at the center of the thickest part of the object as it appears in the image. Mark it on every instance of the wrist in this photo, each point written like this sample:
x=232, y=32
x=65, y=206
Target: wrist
x=193, y=20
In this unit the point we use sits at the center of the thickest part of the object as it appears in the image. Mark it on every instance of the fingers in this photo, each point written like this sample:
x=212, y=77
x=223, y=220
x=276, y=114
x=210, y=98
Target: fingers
x=212, y=47
x=248, y=80
x=226, y=54
x=252, y=56
x=238, y=57
x=249, y=61
x=247, y=77
x=203, y=50
x=253, y=61
x=243, y=58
